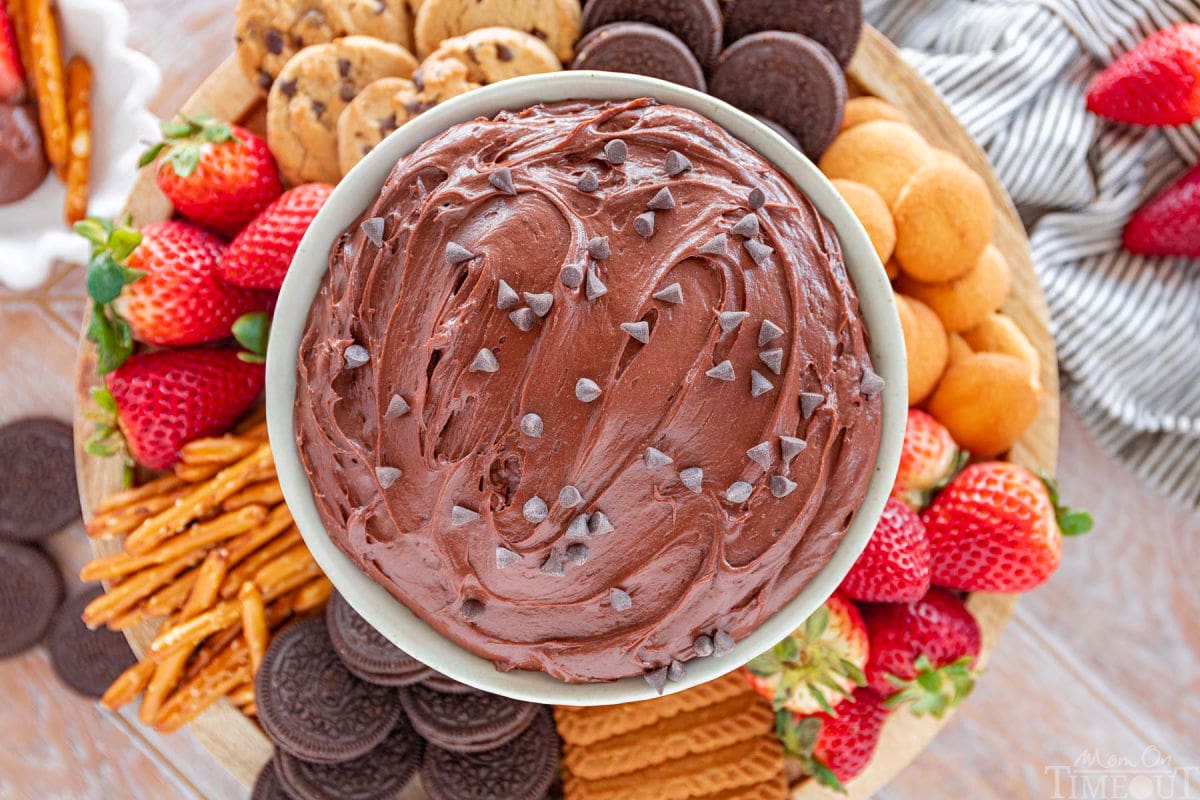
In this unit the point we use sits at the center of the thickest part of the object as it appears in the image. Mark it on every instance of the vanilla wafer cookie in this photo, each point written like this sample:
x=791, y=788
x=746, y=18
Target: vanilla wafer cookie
x=585, y=726
x=701, y=731
x=695, y=776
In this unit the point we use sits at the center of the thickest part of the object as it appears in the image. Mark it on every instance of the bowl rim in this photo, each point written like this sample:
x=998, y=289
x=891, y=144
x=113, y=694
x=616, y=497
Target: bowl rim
x=361, y=187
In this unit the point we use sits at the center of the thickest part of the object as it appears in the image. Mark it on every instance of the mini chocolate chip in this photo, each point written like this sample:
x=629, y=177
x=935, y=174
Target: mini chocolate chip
x=599, y=524
x=523, y=318
x=264, y=79
x=872, y=384
x=485, y=361
x=578, y=527
x=653, y=457
x=595, y=287
x=620, y=599
x=457, y=254
x=716, y=246
x=677, y=163
x=638, y=330
x=397, y=407
x=644, y=225
x=540, y=303
x=588, y=182
x=318, y=108
x=781, y=486
x=532, y=426
x=692, y=478
x=663, y=201
x=728, y=320
x=670, y=294
x=723, y=371
x=346, y=92
x=759, y=385
x=461, y=515
x=571, y=276
x=506, y=296
x=587, y=390
x=505, y=557
x=676, y=672
x=535, y=510
x=790, y=447
x=616, y=151
x=373, y=229
x=809, y=402
x=703, y=645
x=723, y=644
x=569, y=497
x=343, y=66
x=288, y=88
x=773, y=359
x=757, y=199
x=274, y=41
x=387, y=125
x=577, y=553
x=738, y=492
x=599, y=248
x=768, y=332
x=472, y=608
x=356, y=356
x=746, y=227
x=554, y=565
x=387, y=476
x=502, y=180
x=504, y=52
x=758, y=251
x=762, y=454
x=657, y=679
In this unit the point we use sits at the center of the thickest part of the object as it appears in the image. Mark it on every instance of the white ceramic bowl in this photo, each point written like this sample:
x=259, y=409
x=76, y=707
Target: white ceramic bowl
x=361, y=187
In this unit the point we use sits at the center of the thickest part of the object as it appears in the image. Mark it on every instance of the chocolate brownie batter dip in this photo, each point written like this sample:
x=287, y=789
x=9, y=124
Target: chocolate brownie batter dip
x=588, y=390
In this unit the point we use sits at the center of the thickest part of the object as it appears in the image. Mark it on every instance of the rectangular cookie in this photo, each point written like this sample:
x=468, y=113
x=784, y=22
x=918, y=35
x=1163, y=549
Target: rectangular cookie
x=703, y=730
x=585, y=726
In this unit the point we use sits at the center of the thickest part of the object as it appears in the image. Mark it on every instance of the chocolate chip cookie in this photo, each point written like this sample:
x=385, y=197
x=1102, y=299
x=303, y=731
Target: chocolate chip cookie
x=270, y=32
x=490, y=55
x=310, y=95
x=379, y=109
x=555, y=22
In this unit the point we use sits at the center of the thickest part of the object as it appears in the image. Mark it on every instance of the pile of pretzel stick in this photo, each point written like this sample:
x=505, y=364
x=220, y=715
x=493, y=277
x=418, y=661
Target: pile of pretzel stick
x=212, y=552
x=63, y=97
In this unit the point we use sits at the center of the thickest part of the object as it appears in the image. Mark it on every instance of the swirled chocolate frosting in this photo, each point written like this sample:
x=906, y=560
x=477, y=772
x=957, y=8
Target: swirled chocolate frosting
x=587, y=389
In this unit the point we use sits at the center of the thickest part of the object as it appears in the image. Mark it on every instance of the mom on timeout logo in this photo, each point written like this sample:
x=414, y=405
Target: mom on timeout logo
x=1096, y=775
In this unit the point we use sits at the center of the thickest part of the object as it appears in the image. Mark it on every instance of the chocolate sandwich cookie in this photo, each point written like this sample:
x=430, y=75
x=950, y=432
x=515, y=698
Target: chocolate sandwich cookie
x=31, y=590
x=38, y=496
x=523, y=769
x=441, y=683
x=466, y=723
x=365, y=651
x=836, y=24
x=310, y=704
x=696, y=22
x=640, y=49
x=379, y=775
x=88, y=661
x=267, y=785
x=788, y=77
x=782, y=131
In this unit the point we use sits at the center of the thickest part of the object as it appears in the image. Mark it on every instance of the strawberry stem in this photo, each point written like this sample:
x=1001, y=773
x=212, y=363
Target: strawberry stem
x=107, y=275
x=182, y=140
x=106, y=440
x=252, y=332
x=1070, y=522
x=799, y=737
x=934, y=690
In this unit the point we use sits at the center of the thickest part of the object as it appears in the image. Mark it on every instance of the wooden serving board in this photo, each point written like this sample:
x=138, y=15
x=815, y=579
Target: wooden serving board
x=878, y=70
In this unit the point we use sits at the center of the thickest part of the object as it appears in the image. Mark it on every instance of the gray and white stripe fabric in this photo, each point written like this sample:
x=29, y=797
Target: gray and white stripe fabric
x=1128, y=328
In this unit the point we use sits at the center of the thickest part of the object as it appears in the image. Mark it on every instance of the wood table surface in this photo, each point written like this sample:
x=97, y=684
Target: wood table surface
x=1094, y=692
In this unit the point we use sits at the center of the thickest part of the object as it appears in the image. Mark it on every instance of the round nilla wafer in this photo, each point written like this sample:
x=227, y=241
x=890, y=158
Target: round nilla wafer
x=987, y=401
x=861, y=110
x=882, y=154
x=964, y=303
x=944, y=218
x=959, y=349
x=873, y=213
x=999, y=334
x=927, y=346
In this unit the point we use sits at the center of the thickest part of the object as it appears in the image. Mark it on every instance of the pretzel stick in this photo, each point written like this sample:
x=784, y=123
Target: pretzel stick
x=267, y=493
x=312, y=596
x=186, y=635
x=171, y=597
x=278, y=613
x=46, y=59
x=196, y=473
x=278, y=521
x=123, y=520
x=127, y=594
x=123, y=499
x=227, y=671
x=290, y=583
x=79, y=163
x=217, y=450
x=197, y=503
x=127, y=686
x=242, y=695
x=254, y=623
x=203, y=595
x=250, y=709
x=127, y=620
x=257, y=431
x=198, y=537
x=245, y=571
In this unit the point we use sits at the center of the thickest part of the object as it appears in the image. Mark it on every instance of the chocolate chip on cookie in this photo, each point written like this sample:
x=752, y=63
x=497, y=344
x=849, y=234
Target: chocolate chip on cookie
x=837, y=24
x=696, y=22
x=270, y=32
x=788, y=78
x=378, y=775
x=555, y=22
x=31, y=590
x=523, y=769
x=38, y=496
x=312, y=91
x=88, y=661
x=312, y=707
x=640, y=49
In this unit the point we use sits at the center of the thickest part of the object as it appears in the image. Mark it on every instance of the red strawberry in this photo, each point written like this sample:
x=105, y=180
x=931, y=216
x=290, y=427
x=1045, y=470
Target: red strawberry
x=12, y=74
x=923, y=652
x=1156, y=83
x=1169, y=224
x=827, y=654
x=835, y=748
x=895, y=566
x=164, y=400
x=997, y=527
x=182, y=300
x=260, y=255
x=929, y=458
x=217, y=175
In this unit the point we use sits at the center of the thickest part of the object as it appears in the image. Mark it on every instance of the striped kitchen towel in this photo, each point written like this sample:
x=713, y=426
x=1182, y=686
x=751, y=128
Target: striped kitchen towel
x=1128, y=328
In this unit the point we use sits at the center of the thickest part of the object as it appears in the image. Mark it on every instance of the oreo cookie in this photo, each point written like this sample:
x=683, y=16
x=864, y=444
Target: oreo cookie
x=31, y=590
x=311, y=706
x=782, y=131
x=88, y=661
x=789, y=78
x=379, y=775
x=523, y=769
x=267, y=785
x=365, y=651
x=836, y=24
x=447, y=685
x=640, y=49
x=38, y=496
x=466, y=723
x=697, y=23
